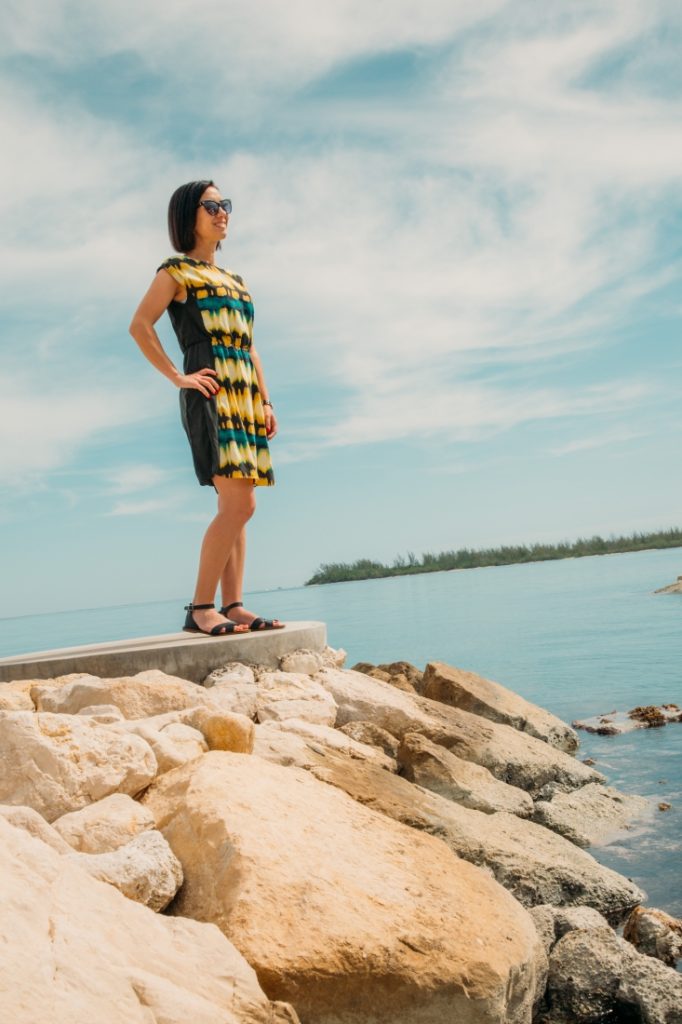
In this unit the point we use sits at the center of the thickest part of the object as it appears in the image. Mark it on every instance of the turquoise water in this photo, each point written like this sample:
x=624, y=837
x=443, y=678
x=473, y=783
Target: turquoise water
x=578, y=636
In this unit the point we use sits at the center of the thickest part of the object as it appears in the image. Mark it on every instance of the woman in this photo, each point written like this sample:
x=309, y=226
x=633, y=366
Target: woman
x=226, y=411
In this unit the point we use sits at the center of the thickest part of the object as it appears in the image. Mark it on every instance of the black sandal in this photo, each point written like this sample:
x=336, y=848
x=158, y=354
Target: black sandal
x=222, y=629
x=257, y=624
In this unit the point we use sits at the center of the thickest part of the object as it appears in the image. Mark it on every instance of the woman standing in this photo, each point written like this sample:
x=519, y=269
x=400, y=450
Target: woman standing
x=226, y=411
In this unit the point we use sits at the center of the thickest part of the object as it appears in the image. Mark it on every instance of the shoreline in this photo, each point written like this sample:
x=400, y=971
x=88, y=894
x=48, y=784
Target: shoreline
x=499, y=565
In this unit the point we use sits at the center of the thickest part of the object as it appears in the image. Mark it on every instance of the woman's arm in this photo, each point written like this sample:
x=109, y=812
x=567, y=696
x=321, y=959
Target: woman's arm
x=158, y=298
x=270, y=420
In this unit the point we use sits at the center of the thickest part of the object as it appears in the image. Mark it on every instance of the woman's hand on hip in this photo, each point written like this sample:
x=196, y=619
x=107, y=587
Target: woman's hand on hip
x=201, y=380
x=270, y=423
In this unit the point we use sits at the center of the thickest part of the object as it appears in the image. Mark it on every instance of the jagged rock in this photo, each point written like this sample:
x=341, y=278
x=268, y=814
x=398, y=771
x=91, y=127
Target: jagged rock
x=554, y=922
x=400, y=674
x=171, y=748
x=303, y=661
x=595, y=976
x=342, y=906
x=286, y=748
x=104, y=825
x=145, y=869
x=283, y=695
x=615, y=723
x=533, y=863
x=75, y=951
x=373, y=735
x=35, y=825
x=512, y=756
x=60, y=763
x=655, y=933
x=590, y=815
x=234, y=673
x=147, y=693
x=435, y=768
x=325, y=737
x=334, y=657
x=16, y=695
x=480, y=696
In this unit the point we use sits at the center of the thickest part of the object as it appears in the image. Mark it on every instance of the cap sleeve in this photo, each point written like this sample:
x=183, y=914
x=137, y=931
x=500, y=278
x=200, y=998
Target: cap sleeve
x=176, y=268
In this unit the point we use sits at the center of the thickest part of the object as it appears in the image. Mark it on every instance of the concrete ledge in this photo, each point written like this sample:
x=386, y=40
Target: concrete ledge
x=188, y=655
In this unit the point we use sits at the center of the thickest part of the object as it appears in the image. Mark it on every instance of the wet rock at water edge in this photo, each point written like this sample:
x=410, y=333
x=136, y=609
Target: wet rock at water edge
x=655, y=933
x=614, y=723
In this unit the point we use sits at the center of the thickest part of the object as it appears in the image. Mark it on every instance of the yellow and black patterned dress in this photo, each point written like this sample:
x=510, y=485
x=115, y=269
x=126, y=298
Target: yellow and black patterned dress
x=215, y=328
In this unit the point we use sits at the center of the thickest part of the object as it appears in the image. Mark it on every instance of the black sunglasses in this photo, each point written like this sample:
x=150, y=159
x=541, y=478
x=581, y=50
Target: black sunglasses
x=213, y=205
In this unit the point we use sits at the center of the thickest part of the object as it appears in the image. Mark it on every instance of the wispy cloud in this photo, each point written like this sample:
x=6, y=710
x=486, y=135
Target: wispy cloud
x=129, y=479
x=584, y=444
x=138, y=508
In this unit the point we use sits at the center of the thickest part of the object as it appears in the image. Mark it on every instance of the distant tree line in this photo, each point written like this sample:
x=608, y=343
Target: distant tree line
x=466, y=558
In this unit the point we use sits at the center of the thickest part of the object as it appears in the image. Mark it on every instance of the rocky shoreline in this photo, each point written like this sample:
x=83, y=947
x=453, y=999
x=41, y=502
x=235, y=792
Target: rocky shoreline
x=314, y=844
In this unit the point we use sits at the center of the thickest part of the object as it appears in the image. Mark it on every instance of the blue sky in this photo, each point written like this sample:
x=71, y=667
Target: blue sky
x=461, y=227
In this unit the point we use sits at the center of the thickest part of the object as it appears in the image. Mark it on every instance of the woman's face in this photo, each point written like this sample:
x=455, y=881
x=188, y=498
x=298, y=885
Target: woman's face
x=208, y=227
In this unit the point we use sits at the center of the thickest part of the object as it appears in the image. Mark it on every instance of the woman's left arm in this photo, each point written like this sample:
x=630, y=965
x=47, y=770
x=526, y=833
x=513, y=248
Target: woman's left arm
x=270, y=420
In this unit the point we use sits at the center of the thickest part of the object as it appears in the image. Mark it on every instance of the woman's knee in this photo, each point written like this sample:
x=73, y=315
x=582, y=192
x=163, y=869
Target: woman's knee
x=236, y=498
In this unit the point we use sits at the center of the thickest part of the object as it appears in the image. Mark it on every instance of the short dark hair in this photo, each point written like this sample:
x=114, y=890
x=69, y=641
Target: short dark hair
x=182, y=214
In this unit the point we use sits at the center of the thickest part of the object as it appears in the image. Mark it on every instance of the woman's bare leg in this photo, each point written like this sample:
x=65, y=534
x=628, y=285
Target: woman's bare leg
x=232, y=581
x=232, y=577
x=236, y=505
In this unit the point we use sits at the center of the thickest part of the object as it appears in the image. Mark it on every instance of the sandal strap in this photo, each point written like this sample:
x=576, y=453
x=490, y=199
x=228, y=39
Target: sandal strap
x=227, y=607
x=198, y=607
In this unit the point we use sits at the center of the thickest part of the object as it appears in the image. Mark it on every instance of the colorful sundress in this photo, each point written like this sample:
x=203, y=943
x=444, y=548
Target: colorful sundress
x=215, y=329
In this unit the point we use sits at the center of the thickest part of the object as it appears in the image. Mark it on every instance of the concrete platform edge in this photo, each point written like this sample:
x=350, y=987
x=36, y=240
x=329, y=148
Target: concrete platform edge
x=185, y=655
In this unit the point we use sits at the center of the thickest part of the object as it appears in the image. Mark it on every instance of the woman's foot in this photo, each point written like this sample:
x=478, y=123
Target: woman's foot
x=238, y=613
x=206, y=619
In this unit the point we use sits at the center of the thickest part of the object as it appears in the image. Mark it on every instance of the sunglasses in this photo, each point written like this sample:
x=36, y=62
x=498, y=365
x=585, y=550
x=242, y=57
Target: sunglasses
x=213, y=205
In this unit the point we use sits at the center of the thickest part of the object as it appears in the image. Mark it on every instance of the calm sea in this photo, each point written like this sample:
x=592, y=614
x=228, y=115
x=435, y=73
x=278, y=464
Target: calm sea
x=579, y=636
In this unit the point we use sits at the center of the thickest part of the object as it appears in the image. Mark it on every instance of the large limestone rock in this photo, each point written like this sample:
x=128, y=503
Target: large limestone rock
x=173, y=745
x=15, y=700
x=512, y=756
x=60, y=763
x=104, y=825
x=33, y=823
x=532, y=862
x=480, y=696
x=435, y=768
x=373, y=735
x=592, y=814
x=75, y=951
x=303, y=661
x=323, y=736
x=148, y=693
x=145, y=869
x=595, y=976
x=362, y=918
x=283, y=695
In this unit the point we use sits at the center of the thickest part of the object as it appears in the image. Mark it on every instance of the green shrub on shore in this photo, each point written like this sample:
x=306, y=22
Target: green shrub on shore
x=466, y=558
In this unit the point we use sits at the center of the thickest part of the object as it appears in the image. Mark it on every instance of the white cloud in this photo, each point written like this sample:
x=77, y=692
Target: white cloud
x=510, y=211
x=138, y=508
x=129, y=479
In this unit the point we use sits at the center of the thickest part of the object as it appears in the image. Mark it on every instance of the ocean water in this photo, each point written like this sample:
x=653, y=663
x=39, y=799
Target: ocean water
x=578, y=636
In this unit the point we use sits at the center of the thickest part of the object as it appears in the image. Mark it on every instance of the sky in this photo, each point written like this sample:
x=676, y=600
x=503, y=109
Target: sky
x=460, y=224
